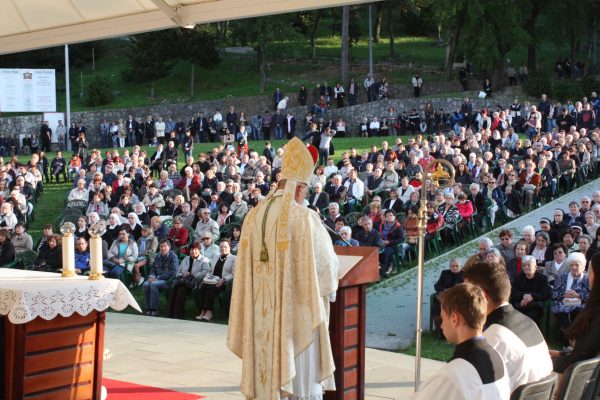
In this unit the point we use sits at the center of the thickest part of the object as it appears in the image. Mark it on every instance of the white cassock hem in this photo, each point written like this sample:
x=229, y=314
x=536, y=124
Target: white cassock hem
x=308, y=369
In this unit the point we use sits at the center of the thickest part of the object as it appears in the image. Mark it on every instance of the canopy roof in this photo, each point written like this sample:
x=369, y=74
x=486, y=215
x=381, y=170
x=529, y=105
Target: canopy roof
x=34, y=24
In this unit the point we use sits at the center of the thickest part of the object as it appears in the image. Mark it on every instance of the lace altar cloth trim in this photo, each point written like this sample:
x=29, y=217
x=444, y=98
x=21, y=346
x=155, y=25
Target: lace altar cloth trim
x=26, y=295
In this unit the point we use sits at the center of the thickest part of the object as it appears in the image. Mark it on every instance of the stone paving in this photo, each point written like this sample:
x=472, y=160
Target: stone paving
x=392, y=304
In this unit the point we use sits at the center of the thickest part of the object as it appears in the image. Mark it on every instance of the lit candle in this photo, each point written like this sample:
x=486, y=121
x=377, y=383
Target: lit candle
x=95, y=252
x=68, y=250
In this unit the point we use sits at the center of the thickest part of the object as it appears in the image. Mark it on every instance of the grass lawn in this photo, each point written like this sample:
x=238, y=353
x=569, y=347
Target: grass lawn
x=432, y=348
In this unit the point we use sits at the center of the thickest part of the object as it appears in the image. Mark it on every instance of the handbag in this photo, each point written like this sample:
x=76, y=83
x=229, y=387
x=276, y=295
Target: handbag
x=188, y=281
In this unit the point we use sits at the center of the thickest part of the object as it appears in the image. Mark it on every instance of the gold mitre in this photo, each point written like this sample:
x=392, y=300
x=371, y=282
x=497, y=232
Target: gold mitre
x=298, y=161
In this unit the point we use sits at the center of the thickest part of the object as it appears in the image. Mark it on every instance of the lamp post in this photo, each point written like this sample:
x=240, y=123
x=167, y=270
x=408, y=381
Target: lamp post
x=68, y=250
x=443, y=175
x=96, y=269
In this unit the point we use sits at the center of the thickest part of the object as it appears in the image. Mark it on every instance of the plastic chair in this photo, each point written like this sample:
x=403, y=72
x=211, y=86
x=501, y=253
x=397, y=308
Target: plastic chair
x=540, y=390
x=580, y=380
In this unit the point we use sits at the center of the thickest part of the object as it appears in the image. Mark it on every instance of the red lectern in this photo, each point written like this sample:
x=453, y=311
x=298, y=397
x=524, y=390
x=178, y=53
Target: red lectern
x=347, y=323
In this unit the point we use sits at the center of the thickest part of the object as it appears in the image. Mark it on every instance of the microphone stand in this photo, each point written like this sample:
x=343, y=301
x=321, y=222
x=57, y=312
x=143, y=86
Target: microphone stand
x=335, y=233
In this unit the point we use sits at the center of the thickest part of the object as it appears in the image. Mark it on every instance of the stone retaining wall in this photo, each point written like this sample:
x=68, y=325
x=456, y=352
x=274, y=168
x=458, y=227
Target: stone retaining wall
x=400, y=99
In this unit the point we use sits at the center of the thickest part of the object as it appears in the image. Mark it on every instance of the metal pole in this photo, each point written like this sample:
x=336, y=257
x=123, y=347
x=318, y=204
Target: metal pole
x=67, y=95
x=447, y=177
x=371, y=44
x=420, y=264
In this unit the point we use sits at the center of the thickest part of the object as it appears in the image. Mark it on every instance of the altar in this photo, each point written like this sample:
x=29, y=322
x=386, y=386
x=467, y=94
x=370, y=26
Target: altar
x=52, y=333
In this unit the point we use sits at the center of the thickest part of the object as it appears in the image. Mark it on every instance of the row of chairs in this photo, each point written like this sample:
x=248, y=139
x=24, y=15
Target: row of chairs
x=580, y=381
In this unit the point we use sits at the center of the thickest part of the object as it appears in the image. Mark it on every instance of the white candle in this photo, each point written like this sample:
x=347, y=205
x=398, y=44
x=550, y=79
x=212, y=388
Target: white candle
x=96, y=255
x=68, y=255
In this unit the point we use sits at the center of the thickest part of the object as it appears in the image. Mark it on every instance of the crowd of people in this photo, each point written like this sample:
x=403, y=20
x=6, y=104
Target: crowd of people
x=509, y=293
x=375, y=193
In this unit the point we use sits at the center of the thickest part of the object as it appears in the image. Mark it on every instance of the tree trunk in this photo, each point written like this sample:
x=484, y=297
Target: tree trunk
x=529, y=27
x=377, y=28
x=452, y=43
x=152, y=89
x=192, y=77
x=573, y=38
x=313, y=32
x=497, y=76
x=262, y=67
x=344, y=54
x=391, y=28
x=595, y=44
x=333, y=24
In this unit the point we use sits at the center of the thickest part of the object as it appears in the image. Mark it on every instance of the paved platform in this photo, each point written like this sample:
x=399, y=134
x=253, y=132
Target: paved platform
x=192, y=357
x=392, y=304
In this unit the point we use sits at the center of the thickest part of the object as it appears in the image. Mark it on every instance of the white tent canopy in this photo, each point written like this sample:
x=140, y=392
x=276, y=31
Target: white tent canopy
x=33, y=24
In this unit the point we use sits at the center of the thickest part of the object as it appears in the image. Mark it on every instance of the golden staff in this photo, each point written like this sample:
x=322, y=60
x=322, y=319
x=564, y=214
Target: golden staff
x=443, y=175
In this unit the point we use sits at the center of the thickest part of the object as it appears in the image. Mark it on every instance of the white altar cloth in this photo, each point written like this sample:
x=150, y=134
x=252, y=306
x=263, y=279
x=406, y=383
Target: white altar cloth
x=26, y=295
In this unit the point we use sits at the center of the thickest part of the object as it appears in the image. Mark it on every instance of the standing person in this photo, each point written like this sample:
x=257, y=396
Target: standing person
x=324, y=145
x=352, y=92
x=105, y=140
x=61, y=134
x=302, y=95
x=368, y=85
x=73, y=135
x=131, y=127
x=476, y=370
x=45, y=136
x=417, y=83
x=283, y=337
x=463, y=79
x=487, y=88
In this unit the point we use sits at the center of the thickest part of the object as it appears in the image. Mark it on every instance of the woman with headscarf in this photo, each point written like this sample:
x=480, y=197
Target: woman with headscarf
x=585, y=329
x=140, y=210
x=112, y=227
x=135, y=225
x=571, y=291
x=558, y=224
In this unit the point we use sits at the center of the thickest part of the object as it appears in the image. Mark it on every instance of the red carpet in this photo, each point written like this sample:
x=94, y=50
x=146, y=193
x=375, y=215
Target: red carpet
x=119, y=390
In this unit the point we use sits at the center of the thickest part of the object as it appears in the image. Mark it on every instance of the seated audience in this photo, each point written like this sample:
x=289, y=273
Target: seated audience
x=50, y=256
x=22, y=240
x=189, y=276
x=215, y=280
x=585, y=329
x=7, y=250
x=448, y=278
x=162, y=270
x=530, y=290
x=82, y=256
x=570, y=291
x=122, y=254
x=147, y=248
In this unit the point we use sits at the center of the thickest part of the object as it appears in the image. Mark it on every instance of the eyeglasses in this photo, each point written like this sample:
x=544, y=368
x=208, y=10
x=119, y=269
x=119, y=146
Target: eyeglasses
x=207, y=238
x=491, y=181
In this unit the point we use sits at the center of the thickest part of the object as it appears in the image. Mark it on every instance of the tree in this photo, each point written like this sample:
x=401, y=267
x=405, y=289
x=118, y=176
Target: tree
x=313, y=31
x=487, y=35
x=345, y=39
x=150, y=57
x=197, y=46
x=378, y=18
x=265, y=32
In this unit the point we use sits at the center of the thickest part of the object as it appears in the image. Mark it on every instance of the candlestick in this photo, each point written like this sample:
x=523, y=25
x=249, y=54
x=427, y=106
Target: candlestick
x=68, y=250
x=96, y=267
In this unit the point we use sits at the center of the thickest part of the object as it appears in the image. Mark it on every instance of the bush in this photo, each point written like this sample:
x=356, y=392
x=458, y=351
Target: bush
x=589, y=84
x=538, y=84
x=99, y=92
x=567, y=89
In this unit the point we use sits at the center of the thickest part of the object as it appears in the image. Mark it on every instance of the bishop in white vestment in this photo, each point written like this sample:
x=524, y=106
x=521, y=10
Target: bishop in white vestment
x=286, y=274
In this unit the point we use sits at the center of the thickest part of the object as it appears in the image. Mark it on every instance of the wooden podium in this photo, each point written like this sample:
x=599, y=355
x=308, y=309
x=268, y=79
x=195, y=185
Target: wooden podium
x=57, y=359
x=347, y=323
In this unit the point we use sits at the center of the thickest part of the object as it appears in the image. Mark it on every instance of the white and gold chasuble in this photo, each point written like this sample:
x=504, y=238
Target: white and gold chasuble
x=279, y=312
